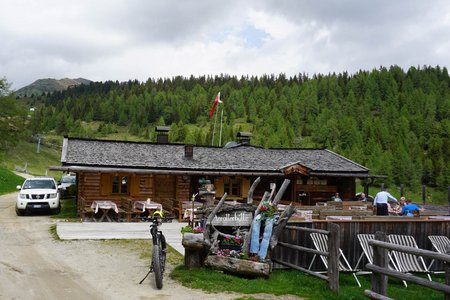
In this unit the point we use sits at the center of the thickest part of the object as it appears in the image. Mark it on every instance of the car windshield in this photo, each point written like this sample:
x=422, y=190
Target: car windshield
x=39, y=184
x=68, y=179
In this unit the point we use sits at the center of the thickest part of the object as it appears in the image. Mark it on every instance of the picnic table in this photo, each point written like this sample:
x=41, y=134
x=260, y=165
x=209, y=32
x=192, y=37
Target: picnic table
x=104, y=207
x=146, y=205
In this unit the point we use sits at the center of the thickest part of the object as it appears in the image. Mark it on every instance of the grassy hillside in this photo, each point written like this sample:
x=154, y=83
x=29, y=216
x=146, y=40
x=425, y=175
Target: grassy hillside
x=25, y=155
x=9, y=181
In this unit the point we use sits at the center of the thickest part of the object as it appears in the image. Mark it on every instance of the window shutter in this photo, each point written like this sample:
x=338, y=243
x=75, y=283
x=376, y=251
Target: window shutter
x=134, y=185
x=105, y=185
x=218, y=185
x=245, y=186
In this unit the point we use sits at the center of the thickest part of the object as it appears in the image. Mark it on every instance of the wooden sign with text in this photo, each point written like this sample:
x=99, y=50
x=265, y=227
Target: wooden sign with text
x=233, y=218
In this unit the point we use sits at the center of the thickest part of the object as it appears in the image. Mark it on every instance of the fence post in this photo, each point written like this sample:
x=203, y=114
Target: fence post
x=447, y=272
x=448, y=194
x=402, y=190
x=333, y=256
x=424, y=193
x=380, y=258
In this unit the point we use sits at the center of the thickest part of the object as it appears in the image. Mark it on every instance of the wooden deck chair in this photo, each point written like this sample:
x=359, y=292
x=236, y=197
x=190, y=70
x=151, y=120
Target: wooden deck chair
x=406, y=262
x=439, y=243
x=364, y=239
x=321, y=243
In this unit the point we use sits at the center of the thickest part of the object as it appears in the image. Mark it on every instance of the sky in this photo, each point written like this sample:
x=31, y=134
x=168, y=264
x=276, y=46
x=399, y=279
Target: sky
x=125, y=40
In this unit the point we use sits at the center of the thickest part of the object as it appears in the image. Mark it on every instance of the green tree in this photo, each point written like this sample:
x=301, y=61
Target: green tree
x=12, y=118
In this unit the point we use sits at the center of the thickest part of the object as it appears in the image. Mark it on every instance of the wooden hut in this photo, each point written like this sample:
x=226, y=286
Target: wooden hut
x=172, y=173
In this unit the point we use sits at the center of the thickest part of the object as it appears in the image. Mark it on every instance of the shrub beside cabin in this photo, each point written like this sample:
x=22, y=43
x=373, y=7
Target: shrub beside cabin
x=170, y=173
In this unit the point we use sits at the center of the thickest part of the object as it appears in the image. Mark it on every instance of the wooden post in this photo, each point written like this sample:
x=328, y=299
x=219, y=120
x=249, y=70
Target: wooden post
x=447, y=272
x=402, y=190
x=448, y=195
x=380, y=258
x=333, y=256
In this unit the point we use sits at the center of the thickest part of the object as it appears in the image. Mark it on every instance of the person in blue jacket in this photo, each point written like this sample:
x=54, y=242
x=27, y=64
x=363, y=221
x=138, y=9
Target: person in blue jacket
x=410, y=208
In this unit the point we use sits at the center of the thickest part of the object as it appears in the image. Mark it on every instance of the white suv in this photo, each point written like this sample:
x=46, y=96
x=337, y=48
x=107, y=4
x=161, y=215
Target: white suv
x=38, y=193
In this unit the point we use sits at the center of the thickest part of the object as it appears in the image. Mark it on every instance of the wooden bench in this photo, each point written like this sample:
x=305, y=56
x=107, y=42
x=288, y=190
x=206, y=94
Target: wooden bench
x=128, y=212
x=355, y=214
x=84, y=210
x=183, y=205
x=434, y=213
x=168, y=207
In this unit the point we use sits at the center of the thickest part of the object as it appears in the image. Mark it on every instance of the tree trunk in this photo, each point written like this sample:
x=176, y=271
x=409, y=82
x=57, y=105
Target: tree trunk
x=193, y=241
x=280, y=224
x=238, y=266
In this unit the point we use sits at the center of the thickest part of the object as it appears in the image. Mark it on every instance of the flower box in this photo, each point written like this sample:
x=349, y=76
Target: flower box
x=231, y=247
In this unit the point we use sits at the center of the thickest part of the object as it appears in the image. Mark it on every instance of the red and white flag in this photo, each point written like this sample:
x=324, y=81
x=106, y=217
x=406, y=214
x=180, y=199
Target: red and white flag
x=216, y=101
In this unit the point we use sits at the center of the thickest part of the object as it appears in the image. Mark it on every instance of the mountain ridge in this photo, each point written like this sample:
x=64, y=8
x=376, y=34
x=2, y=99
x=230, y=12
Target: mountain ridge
x=49, y=85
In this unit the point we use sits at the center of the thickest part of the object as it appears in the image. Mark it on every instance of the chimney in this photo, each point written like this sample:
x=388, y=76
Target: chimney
x=162, y=136
x=189, y=151
x=244, y=137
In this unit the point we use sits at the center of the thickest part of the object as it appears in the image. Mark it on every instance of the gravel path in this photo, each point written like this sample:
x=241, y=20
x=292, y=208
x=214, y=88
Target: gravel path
x=35, y=266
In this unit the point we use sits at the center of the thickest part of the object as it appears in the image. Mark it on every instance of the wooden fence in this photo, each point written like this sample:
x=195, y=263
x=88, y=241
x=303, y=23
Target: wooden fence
x=418, y=228
x=332, y=255
x=381, y=271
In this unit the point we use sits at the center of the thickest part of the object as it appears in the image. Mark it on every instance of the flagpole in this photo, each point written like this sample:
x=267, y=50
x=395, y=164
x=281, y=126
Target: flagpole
x=220, y=135
x=214, y=130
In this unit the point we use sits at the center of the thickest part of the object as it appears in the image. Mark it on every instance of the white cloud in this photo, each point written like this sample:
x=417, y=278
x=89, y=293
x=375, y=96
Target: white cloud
x=137, y=39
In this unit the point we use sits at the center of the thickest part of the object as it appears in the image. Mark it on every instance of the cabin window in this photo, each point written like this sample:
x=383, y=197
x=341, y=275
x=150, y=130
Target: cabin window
x=120, y=184
x=232, y=186
x=316, y=181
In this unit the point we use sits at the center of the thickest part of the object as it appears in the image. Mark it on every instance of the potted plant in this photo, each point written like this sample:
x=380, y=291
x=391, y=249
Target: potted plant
x=231, y=243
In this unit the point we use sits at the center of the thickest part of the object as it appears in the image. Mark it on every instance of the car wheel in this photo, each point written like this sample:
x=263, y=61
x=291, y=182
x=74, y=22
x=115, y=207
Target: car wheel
x=20, y=212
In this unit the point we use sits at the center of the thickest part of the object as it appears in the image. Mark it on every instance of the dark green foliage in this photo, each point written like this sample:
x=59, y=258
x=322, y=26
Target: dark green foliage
x=394, y=122
x=13, y=119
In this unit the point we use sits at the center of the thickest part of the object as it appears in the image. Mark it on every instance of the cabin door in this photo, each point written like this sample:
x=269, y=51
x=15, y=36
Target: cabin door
x=164, y=186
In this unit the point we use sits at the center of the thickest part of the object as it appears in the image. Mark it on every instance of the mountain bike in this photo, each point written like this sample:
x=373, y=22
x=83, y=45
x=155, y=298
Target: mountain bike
x=158, y=261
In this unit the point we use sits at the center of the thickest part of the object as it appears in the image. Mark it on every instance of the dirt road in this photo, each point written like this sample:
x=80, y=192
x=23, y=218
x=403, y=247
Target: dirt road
x=35, y=266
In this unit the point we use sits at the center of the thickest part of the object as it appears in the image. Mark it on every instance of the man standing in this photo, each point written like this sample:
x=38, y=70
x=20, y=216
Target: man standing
x=381, y=202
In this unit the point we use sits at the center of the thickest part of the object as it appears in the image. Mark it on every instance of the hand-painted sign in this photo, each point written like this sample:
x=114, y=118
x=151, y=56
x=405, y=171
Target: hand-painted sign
x=233, y=218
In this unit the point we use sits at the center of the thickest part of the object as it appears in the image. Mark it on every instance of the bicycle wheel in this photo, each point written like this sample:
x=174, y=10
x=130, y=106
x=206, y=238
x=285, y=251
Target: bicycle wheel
x=156, y=261
x=162, y=253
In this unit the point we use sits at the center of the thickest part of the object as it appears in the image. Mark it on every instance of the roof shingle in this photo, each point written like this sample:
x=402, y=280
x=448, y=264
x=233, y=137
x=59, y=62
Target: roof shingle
x=171, y=157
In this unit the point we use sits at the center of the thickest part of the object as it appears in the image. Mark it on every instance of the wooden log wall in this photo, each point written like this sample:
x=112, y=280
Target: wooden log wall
x=183, y=185
x=89, y=187
x=419, y=229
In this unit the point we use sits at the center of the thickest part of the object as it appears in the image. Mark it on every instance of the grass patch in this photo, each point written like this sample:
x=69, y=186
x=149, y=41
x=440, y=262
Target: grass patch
x=9, y=181
x=53, y=232
x=68, y=210
x=291, y=282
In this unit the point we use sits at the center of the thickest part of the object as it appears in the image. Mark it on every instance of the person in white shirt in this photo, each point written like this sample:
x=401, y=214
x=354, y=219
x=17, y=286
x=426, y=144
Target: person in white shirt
x=381, y=202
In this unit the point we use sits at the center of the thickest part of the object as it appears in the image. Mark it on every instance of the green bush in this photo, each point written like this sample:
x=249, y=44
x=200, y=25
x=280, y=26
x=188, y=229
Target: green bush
x=187, y=229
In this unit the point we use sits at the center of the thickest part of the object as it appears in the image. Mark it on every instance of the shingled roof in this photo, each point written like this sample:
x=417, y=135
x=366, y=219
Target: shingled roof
x=87, y=154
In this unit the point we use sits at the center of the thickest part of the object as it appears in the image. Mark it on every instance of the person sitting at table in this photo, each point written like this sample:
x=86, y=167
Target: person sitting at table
x=362, y=197
x=410, y=209
x=336, y=197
